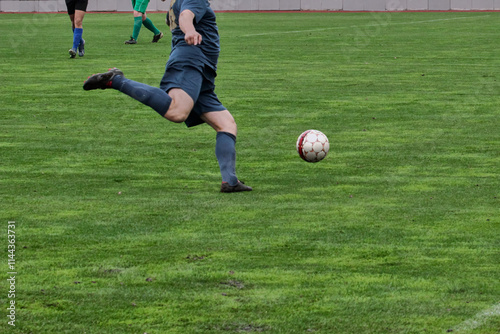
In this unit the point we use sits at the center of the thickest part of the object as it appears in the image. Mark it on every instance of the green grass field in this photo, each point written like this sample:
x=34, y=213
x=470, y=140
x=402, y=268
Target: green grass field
x=120, y=226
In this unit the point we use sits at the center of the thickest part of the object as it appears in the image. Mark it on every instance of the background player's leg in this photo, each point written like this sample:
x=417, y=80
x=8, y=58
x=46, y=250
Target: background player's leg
x=150, y=25
x=77, y=32
x=72, y=18
x=137, y=24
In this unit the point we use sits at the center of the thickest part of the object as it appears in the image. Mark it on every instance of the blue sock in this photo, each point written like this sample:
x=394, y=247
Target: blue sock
x=153, y=97
x=77, y=37
x=225, y=151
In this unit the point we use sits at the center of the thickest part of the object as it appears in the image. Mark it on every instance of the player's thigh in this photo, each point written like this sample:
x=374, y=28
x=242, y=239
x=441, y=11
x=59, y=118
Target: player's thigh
x=220, y=121
x=181, y=105
x=78, y=19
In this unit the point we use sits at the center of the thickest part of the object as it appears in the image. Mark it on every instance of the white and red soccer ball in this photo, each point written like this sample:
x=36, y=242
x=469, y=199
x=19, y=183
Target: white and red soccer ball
x=313, y=145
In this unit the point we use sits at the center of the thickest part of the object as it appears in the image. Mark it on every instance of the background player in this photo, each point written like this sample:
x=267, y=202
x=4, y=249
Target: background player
x=186, y=92
x=76, y=11
x=140, y=19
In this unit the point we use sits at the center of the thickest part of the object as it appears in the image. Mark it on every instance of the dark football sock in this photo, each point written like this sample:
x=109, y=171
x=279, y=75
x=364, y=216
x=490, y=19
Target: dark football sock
x=153, y=97
x=225, y=151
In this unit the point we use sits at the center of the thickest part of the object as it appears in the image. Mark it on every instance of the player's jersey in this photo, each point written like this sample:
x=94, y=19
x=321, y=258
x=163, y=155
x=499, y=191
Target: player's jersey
x=205, y=24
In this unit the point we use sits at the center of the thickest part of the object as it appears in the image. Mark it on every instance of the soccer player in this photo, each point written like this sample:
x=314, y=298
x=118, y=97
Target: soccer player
x=76, y=12
x=140, y=19
x=186, y=92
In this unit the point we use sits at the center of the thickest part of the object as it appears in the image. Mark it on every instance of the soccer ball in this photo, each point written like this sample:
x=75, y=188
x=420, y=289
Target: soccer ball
x=313, y=145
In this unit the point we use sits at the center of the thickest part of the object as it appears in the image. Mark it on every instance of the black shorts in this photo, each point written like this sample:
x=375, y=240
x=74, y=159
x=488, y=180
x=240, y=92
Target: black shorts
x=73, y=5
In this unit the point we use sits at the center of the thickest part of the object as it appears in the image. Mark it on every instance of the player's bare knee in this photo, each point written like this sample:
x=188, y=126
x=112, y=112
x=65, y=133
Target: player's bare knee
x=228, y=124
x=231, y=128
x=175, y=118
x=178, y=111
x=176, y=115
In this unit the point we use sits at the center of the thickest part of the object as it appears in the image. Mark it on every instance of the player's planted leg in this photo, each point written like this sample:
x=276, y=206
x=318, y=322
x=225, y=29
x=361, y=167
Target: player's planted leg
x=225, y=151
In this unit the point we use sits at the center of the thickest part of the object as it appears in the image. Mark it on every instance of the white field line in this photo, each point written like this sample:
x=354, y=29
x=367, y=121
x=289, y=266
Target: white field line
x=357, y=26
x=478, y=320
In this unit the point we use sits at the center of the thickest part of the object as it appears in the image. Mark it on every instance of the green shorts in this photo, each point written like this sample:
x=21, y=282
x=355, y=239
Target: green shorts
x=140, y=5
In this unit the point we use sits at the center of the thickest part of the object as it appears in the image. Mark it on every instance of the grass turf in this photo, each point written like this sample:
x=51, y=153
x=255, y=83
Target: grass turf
x=119, y=224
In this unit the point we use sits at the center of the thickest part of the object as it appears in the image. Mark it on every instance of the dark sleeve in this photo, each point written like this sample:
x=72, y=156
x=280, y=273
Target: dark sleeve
x=198, y=7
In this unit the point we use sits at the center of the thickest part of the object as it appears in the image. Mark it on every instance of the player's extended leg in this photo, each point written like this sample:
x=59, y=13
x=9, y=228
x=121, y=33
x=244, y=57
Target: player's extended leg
x=177, y=102
x=225, y=149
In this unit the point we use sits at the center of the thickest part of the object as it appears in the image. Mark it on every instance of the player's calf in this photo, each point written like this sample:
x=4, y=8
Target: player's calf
x=153, y=97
